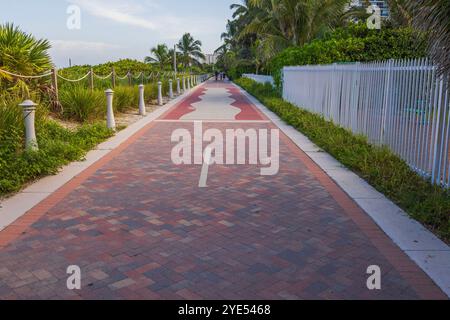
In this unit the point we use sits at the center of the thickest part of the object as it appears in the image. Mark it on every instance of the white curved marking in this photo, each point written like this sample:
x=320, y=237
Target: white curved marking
x=215, y=104
x=205, y=168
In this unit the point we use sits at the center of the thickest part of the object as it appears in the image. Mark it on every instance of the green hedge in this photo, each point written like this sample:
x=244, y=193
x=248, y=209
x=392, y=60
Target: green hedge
x=385, y=171
x=350, y=44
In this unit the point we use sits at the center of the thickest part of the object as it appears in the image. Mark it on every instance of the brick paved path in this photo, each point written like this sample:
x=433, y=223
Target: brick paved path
x=140, y=227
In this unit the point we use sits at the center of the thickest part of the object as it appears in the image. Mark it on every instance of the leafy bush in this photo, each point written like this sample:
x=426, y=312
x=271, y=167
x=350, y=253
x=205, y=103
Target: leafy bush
x=82, y=104
x=57, y=146
x=351, y=44
x=239, y=69
x=385, y=171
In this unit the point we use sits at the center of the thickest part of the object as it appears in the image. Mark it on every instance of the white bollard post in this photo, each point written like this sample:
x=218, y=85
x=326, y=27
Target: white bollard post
x=110, y=121
x=170, y=89
x=178, y=86
x=184, y=84
x=29, y=109
x=160, y=97
x=142, y=110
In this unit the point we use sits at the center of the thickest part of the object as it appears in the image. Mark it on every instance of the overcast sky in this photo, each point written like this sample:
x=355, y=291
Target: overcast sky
x=114, y=29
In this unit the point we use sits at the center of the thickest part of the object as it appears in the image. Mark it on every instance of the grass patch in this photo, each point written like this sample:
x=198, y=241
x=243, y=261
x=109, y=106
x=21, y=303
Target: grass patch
x=57, y=146
x=84, y=105
x=125, y=98
x=81, y=104
x=380, y=167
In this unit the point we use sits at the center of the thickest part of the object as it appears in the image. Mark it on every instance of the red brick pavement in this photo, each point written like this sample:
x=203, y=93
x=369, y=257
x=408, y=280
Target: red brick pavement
x=140, y=228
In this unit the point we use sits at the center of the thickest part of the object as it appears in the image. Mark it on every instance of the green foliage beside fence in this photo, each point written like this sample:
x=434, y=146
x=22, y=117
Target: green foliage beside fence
x=381, y=168
x=350, y=44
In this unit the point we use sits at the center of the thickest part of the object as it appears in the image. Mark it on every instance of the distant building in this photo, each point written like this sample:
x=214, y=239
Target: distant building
x=382, y=4
x=210, y=58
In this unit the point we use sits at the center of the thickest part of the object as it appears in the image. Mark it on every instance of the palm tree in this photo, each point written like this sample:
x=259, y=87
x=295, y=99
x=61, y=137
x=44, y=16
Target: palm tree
x=399, y=13
x=432, y=16
x=191, y=50
x=22, y=54
x=228, y=38
x=160, y=56
x=283, y=23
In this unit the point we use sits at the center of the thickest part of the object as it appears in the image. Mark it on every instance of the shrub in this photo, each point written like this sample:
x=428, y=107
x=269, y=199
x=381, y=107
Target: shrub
x=385, y=171
x=125, y=98
x=82, y=104
x=151, y=92
x=57, y=146
x=350, y=44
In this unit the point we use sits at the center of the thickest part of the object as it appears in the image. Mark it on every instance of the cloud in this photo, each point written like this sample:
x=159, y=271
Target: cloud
x=83, y=52
x=123, y=12
x=165, y=23
x=69, y=45
x=157, y=18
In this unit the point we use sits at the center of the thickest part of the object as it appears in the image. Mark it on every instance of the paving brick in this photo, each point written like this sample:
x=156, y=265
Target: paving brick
x=122, y=283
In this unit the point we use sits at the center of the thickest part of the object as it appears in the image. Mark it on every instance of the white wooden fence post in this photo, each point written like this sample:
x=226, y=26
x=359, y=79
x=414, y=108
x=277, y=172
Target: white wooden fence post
x=29, y=109
x=170, y=89
x=178, y=86
x=160, y=98
x=184, y=84
x=110, y=121
x=142, y=110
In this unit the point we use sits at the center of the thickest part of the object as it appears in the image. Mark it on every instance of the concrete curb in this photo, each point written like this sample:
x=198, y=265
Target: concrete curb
x=430, y=253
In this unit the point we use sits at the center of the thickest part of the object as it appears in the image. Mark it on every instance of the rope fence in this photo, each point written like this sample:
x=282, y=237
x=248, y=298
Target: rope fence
x=133, y=79
x=75, y=80
x=26, y=77
x=103, y=78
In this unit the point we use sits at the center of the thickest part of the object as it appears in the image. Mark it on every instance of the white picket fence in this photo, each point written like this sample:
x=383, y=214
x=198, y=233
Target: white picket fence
x=259, y=78
x=403, y=104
